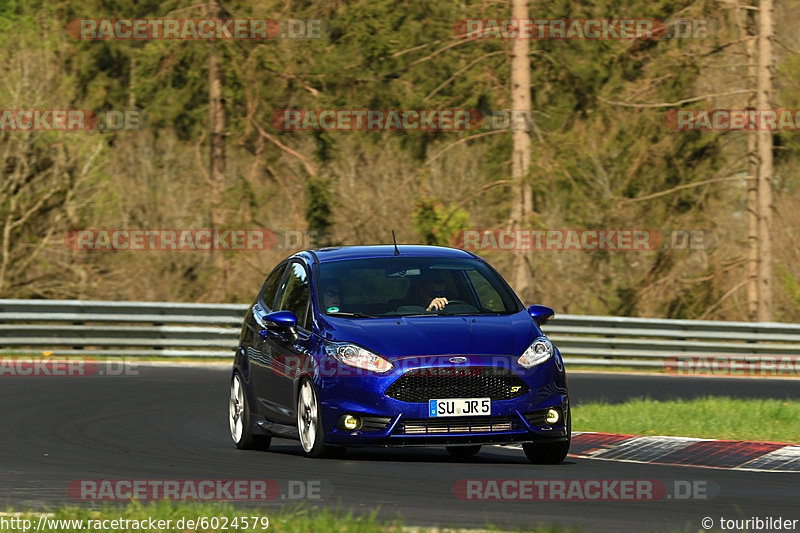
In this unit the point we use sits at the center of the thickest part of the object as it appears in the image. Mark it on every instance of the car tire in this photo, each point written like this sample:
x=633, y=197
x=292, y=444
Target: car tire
x=336, y=452
x=546, y=453
x=463, y=452
x=309, y=423
x=239, y=419
x=549, y=453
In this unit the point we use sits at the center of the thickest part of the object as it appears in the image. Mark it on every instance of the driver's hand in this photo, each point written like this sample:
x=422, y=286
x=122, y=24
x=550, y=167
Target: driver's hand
x=437, y=304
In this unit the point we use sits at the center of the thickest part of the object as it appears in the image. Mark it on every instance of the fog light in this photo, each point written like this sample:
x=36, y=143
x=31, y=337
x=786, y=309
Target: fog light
x=351, y=422
x=552, y=416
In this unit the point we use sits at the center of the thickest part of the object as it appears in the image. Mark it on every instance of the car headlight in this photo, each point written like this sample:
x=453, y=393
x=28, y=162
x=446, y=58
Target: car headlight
x=355, y=355
x=540, y=350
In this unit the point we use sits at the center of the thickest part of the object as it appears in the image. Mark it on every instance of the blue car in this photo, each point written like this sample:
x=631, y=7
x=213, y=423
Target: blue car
x=397, y=346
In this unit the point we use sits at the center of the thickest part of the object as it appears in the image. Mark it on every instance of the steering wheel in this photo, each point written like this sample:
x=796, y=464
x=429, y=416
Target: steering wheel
x=452, y=302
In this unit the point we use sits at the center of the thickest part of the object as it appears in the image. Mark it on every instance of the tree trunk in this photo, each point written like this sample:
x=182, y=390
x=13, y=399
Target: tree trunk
x=217, y=153
x=522, y=201
x=764, y=92
x=132, y=80
x=747, y=23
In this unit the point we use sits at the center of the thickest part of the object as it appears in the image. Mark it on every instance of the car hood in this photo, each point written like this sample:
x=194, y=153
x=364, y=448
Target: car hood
x=401, y=336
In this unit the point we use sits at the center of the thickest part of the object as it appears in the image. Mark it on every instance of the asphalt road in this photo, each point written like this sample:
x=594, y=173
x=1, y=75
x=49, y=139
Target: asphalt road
x=170, y=423
x=618, y=388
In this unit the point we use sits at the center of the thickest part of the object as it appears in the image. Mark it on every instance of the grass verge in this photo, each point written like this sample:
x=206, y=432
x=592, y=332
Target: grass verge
x=712, y=417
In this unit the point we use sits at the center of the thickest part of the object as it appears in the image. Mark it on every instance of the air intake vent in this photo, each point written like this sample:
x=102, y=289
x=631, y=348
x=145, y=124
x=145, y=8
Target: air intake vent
x=423, y=384
x=443, y=426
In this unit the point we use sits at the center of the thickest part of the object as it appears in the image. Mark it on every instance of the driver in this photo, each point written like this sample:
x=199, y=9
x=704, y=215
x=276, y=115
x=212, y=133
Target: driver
x=429, y=289
x=331, y=295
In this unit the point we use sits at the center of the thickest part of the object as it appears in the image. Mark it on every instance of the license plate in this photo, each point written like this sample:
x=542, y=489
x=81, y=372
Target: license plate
x=460, y=407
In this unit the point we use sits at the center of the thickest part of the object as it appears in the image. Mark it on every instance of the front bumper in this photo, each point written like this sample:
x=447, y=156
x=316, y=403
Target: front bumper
x=391, y=422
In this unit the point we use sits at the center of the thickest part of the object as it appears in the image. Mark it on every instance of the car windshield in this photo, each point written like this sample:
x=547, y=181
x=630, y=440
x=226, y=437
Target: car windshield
x=409, y=286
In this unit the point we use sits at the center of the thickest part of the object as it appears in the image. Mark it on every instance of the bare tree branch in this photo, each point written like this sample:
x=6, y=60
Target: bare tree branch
x=303, y=159
x=679, y=188
x=673, y=104
x=461, y=141
x=459, y=71
x=724, y=297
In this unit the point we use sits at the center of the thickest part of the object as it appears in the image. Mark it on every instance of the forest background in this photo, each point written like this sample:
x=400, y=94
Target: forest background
x=602, y=153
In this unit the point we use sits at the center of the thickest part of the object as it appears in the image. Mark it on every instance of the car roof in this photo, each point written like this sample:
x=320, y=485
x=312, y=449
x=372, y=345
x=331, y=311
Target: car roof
x=385, y=250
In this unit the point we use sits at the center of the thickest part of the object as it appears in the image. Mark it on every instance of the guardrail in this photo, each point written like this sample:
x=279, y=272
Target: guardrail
x=135, y=329
x=162, y=329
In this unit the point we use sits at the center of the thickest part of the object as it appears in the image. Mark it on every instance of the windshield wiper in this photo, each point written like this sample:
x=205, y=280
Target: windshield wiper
x=352, y=315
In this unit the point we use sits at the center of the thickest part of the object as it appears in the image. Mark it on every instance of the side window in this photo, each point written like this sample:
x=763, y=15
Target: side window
x=271, y=286
x=295, y=296
x=488, y=298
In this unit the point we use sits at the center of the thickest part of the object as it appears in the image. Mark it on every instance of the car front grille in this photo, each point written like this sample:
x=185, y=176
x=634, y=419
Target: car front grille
x=443, y=426
x=423, y=384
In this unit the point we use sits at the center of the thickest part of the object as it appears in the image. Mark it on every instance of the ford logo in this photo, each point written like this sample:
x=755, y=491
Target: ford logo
x=458, y=359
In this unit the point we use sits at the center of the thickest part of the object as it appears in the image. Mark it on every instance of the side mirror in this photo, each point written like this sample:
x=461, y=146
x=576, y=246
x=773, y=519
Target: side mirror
x=282, y=319
x=285, y=320
x=541, y=314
